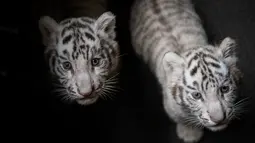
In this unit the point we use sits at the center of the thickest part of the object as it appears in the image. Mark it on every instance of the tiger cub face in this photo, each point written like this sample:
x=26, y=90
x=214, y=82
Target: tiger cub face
x=204, y=82
x=83, y=55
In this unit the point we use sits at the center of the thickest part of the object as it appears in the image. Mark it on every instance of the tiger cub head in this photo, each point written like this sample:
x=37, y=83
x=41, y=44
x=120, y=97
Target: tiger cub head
x=204, y=81
x=82, y=55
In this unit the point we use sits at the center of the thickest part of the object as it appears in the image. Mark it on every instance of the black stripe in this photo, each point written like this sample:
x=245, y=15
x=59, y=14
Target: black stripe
x=90, y=29
x=83, y=53
x=82, y=47
x=210, y=72
x=210, y=56
x=195, y=84
x=190, y=101
x=60, y=71
x=193, y=58
x=65, y=21
x=89, y=36
x=193, y=71
x=188, y=86
x=184, y=80
x=77, y=55
x=63, y=58
x=218, y=73
x=83, y=40
x=189, y=63
x=65, y=30
x=202, y=72
x=156, y=7
x=65, y=81
x=204, y=77
x=214, y=65
x=208, y=50
x=70, y=89
x=66, y=53
x=87, y=51
x=188, y=54
x=202, y=84
x=207, y=83
x=229, y=51
x=74, y=47
x=204, y=67
x=89, y=21
x=67, y=39
x=80, y=51
x=74, y=54
x=102, y=55
x=77, y=24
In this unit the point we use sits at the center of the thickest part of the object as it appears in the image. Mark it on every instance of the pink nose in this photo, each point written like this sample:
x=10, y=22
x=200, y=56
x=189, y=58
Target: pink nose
x=218, y=118
x=85, y=94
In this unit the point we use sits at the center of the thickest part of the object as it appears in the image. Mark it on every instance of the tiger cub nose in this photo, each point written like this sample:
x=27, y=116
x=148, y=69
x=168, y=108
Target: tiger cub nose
x=218, y=119
x=86, y=93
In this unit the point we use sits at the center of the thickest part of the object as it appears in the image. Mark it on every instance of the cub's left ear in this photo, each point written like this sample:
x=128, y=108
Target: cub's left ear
x=227, y=51
x=105, y=25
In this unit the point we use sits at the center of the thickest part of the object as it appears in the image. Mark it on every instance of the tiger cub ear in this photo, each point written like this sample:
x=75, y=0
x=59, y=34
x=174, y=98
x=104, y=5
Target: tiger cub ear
x=227, y=51
x=173, y=63
x=105, y=25
x=49, y=29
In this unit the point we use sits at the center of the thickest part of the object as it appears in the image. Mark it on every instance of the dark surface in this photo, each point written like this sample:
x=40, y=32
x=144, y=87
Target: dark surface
x=30, y=113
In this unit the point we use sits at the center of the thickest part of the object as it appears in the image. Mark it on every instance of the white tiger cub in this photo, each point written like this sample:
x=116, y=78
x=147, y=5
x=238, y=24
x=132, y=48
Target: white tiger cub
x=83, y=55
x=198, y=80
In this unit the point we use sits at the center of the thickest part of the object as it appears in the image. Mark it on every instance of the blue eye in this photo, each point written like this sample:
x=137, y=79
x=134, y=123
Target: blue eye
x=196, y=95
x=224, y=89
x=95, y=61
x=67, y=65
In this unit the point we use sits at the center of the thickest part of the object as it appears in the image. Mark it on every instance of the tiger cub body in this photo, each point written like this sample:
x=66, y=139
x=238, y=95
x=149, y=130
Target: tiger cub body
x=82, y=53
x=198, y=80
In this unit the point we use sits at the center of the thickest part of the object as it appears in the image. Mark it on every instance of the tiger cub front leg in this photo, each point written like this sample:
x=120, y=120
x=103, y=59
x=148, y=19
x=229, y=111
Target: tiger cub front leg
x=189, y=134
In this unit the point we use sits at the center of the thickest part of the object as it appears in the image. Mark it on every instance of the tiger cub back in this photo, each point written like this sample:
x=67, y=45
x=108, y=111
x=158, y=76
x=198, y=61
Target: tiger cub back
x=198, y=80
x=157, y=24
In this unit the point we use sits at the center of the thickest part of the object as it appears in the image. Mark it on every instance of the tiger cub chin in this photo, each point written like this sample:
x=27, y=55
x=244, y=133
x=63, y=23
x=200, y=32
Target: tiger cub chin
x=82, y=55
x=198, y=80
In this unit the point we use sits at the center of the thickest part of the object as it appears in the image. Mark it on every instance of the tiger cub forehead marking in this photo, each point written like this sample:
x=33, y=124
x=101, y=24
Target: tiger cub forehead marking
x=204, y=70
x=75, y=27
x=77, y=24
x=79, y=37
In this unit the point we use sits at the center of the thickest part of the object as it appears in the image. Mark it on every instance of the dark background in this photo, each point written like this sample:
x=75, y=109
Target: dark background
x=30, y=113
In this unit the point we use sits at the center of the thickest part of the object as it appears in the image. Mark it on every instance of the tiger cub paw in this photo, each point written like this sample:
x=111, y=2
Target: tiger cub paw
x=188, y=134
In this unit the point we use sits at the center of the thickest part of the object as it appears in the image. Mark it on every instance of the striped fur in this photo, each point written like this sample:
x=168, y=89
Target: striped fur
x=83, y=55
x=198, y=80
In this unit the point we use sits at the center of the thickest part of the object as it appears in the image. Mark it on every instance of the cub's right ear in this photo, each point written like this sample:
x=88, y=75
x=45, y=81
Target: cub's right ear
x=49, y=29
x=173, y=65
x=173, y=62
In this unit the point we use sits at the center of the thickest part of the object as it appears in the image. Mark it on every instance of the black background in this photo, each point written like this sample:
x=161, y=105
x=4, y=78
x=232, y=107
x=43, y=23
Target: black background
x=30, y=113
